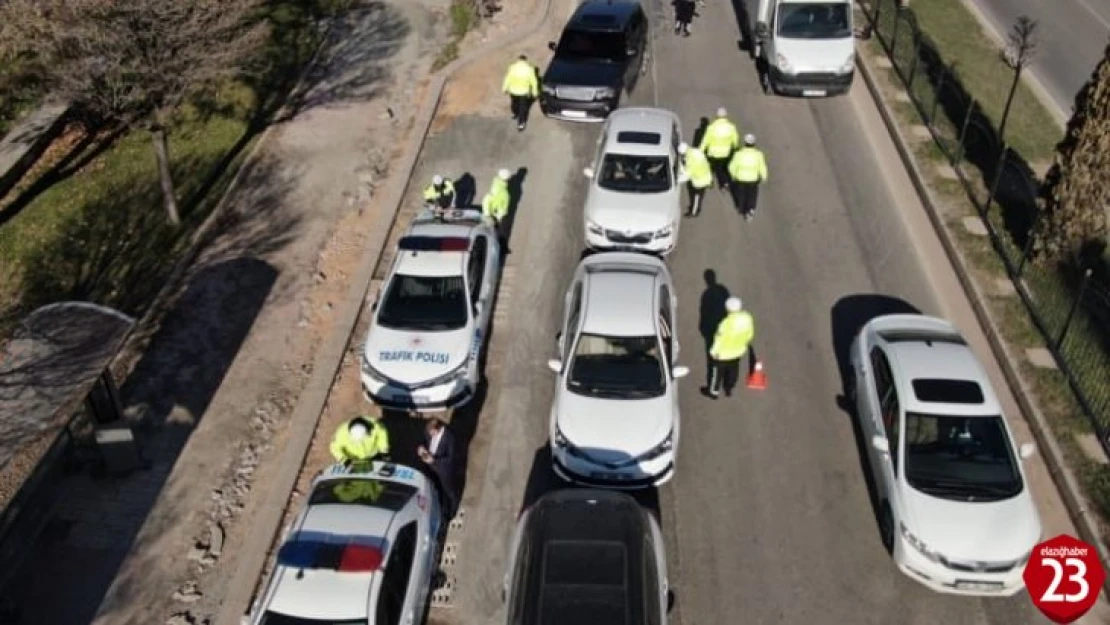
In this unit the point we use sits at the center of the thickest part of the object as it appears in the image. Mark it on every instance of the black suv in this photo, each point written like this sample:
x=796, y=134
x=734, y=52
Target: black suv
x=600, y=54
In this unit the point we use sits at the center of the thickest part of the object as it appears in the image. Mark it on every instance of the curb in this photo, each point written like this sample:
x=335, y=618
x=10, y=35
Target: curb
x=1061, y=474
x=311, y=403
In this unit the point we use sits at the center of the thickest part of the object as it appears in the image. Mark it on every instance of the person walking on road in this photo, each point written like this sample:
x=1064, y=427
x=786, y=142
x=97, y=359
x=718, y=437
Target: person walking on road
x=684, y=12
x=730, y=343
x=495, y=204
x=359, y=441
x=522, y=84
x=697, y=167
x=441, y=193
x=438, y=451
x=720, y=140
x=748, y=169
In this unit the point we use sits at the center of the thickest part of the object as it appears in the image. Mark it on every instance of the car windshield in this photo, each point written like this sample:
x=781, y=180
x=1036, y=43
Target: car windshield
x=817, y=20
x=423, y=303
x=635, y=174
x=965, y=458
x=276, y=618
x=617, y=367
x=592, y=46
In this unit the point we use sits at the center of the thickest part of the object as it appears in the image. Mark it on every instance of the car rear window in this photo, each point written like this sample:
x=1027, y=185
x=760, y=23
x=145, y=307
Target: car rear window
x=585, y=583
x=642, y=138
x=390, y=496
x=941, y=391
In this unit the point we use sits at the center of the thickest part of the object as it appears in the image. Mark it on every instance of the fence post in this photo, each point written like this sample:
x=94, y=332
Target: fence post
x=940, y=89
x=963, y=135
x=998, y=169
x=1030, y=237
x=894, y=36
x=1074, y=309
x=878, y=12
x=916, y=35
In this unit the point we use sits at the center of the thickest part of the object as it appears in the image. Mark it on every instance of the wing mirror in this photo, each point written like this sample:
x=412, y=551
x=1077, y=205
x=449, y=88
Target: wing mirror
x=762, y=32
x=555, y=365
x=588, y=172
x=551, y=45
x=670, y=600
x=680, y=372
x=683, y=177
x=880, y=443
x=1027, y=450
x=632, y=52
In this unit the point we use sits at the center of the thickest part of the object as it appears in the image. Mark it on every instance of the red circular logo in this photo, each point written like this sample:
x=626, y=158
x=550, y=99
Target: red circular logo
x=1064, y=577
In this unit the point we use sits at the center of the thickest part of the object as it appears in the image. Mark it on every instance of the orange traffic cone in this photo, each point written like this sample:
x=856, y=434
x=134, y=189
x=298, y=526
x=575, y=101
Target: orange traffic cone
x=757, y=380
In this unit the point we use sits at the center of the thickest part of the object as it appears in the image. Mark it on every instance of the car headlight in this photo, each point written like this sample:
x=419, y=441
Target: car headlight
x=665, y=232
x=916, y=543
x=548, y=89
x=594, y=228
x=453, y=376
x=783, y=64
x=559, y=440
x=660, y=449
x=848, y=65
x=369, y=371
x=604, y=93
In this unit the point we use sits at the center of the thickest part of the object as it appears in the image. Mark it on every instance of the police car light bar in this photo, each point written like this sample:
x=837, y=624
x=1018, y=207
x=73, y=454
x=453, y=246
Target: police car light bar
x=433, y=244
x=316, y=551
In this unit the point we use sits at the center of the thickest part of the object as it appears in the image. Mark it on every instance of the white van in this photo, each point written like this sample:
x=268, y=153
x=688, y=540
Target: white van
x=806, y=46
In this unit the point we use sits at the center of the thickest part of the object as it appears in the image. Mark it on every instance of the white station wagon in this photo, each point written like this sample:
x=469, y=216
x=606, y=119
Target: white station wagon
x=954, y=506
x=635, y=195
x=429, y=324
x=615, y=417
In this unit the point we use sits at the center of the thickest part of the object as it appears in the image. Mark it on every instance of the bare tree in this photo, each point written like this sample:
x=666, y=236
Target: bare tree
x=135, y=61
x=1021, y=47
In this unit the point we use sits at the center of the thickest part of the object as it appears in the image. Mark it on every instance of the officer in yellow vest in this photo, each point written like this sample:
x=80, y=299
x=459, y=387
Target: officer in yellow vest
x=441, y=193
x=358, y=490
x=522, y=84
x=360, y=440
x=697, y=167
x=720, y=140
x=748, y=168
x=730, y=343
x=495, y=204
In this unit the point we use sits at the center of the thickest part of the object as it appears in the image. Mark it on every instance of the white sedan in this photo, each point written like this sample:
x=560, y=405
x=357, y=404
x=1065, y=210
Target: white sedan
x=955, y=509
x=363, y=551
x=615, y=418
x=428, y=327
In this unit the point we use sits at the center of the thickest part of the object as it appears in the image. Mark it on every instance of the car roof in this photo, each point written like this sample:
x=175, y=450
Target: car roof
x=603, y=15
x=585, y=562
x=619, y=293
x=429, y=262
x=628, y=131
x=935, y=369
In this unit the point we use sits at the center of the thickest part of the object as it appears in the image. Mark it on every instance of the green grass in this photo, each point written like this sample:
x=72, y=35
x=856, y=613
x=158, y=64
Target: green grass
x=464, y=17
x=101, y=234
x=21, y=90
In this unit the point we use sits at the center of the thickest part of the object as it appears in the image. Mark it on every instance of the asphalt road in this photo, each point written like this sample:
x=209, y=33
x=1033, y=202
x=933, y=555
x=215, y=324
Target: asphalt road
x=768, y=519
x=1072, y=35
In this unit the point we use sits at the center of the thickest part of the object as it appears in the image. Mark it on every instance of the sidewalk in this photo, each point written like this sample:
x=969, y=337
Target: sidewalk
x=26, y=141
x=212, y=393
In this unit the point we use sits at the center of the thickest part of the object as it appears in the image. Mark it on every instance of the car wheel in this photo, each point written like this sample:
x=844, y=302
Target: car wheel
x=886, y=528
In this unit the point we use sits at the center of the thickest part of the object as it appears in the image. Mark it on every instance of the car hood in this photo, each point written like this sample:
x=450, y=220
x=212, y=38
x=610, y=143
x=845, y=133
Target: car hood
x=637, y=212
x=612, y=430
x=996, y=531
x=565, y=73
x=815, y=55
x=414, y=357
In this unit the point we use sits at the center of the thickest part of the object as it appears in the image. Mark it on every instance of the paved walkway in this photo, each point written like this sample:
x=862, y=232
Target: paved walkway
x=24, y=142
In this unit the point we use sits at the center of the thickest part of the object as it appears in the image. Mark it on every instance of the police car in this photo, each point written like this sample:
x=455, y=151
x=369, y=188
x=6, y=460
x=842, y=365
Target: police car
x=430, y=321
x=363, y=551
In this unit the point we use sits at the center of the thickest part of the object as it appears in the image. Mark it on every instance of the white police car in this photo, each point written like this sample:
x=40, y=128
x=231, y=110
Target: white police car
x=363, y=551
x=429, y=324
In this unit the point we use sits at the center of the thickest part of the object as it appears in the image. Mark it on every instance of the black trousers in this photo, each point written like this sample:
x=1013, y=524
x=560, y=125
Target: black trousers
x=520, y=105
x=696, y=197
x=744, y=196
x=720, y=170
x=723, y=372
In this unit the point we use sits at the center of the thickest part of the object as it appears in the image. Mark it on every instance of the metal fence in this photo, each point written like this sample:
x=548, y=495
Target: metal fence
x=1069, y=306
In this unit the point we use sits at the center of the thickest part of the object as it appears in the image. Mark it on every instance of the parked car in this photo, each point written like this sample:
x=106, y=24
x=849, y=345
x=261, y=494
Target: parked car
x=615, y=417
x=430, y=321
x=954, y=507
x=600, y=55
x=807, y=47
x=634, y=200
x=362, y=551
x=587, y=556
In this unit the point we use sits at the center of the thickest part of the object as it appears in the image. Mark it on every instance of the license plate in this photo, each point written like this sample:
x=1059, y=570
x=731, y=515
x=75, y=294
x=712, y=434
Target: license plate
x=607, y=476
x=814, y=93
x=988, y=586
x=570, y=113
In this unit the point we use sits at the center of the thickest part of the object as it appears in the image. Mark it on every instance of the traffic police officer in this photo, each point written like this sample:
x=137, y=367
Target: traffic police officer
x=359, y=440
x=748, y=168
x=697, y=167
x=441, y=193
x=495, y=204
x=523, y=86
x=363, y=491
x=720, y=140
x=731, y=341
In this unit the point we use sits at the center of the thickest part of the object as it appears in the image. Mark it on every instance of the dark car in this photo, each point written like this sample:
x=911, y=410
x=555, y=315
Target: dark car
x=587, y=557
x=600, y=54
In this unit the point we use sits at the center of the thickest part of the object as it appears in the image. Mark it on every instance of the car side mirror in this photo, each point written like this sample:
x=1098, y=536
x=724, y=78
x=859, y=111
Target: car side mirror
x=680, y=372
x=762, y=32
x=632, y=51
x=683, y=177
x=551, y=46
x=588, y=172
x=880, y=443
x=505, y=589
x=670, y=600
x=1027, y=450
x=555, y=365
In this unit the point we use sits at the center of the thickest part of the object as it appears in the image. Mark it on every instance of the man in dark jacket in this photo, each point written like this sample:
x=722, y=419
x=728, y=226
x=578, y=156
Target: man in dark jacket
x=440, y=454
x=684, y=11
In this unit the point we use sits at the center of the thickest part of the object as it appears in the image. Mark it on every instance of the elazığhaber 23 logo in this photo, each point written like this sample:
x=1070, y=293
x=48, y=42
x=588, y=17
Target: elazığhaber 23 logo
x=1064, y=577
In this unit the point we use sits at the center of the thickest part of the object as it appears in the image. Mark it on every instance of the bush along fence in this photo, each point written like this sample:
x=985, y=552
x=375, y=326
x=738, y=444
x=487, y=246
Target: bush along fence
x=1069, y=305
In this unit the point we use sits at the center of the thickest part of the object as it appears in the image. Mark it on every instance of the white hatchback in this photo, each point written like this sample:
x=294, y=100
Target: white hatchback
x=615, y=417
x=955, y=509
x=429, y=324
x=635, y=195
